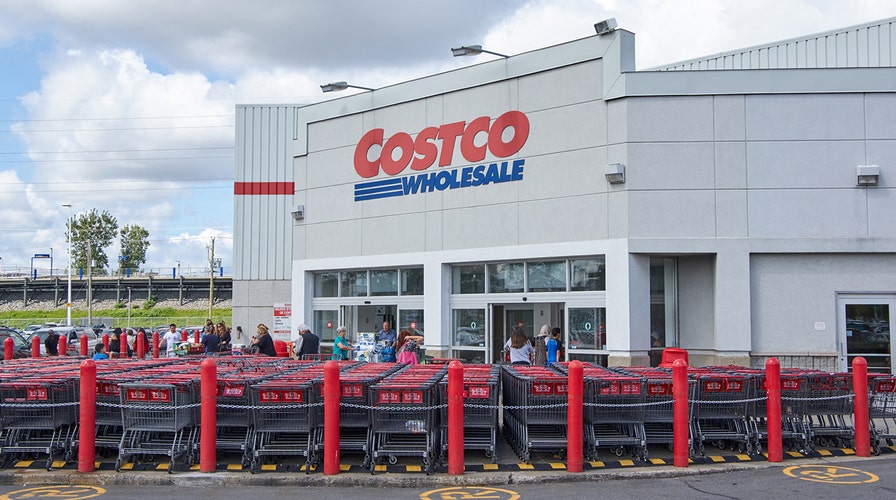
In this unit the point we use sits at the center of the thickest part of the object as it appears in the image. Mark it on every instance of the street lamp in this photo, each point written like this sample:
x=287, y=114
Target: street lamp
x=473, y=50
x=337, y=86
x=68, y=303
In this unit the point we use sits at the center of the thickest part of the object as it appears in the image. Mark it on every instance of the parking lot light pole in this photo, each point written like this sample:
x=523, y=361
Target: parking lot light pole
x=68, y=302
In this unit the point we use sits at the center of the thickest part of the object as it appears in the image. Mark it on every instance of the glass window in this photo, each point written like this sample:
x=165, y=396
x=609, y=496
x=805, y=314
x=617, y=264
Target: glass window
x=325, y=324
x=412, y=281
x=587, y=329
x=384, y=282
x=469, y=328
x=546, y=276
x=587, y=275
x=468, y=279
x=354, y=284
x=505, y=278
x=411, y=320
x=326, y=284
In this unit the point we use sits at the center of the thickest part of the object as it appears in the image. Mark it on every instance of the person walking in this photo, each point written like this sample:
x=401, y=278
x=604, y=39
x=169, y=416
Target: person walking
x=553, y=346
x=540, y=345
x=171, y=339
x=521, y=350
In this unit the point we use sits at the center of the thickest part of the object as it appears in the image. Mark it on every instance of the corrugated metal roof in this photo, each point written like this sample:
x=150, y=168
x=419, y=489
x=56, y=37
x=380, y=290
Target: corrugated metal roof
x=871, y=45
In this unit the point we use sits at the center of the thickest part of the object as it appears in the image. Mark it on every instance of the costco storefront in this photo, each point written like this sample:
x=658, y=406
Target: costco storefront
x=713, y=208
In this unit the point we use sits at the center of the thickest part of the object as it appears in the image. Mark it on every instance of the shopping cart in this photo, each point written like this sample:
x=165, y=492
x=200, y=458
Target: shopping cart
x=404, y=417
x=480, y=393
x=720, y=410
x=39, y=415
x=535, y=403
x=882, y=411
x=160, y=417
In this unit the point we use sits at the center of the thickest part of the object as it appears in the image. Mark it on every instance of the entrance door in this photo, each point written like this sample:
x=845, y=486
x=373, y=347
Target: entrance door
x=865, y=331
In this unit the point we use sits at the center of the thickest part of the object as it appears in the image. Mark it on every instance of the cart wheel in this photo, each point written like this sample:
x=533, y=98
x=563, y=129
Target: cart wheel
x=118, y=465
x=489, y=454
x=253, y=466
x=50, y=464
x=875, y=450
x=366, y=461
x=618, y=451
x=427, y=465
x=889, y=442
x=393, y=460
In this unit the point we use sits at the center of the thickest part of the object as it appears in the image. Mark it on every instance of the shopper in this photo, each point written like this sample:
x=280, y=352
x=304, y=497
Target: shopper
x=223, y=336
x=342, y=348
x=540, y=345
x=211, y=341
x=310, y=343
x=553, y=346
x=171, y=339
x=387, y=334
x=521, y=350
x=100, y=352
x=407, y=346
x=555, y=334
x=51, y=343
x=262, y=343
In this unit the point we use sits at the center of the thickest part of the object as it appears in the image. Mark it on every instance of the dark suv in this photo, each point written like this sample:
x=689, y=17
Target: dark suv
x=21, y=348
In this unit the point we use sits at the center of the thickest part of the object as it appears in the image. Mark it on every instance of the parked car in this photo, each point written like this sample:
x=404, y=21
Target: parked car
x=22, y=349
x=73, y=337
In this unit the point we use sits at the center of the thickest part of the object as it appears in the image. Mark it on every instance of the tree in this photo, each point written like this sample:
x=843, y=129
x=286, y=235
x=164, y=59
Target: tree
x=95, y=230
x=134, y=243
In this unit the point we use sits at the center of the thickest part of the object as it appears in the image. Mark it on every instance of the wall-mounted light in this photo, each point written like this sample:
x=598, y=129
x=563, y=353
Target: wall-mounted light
x=867, y=175
x=606, y=26
x=473, y=50
x=615, y=173
x=337, y=86
x=298, y=212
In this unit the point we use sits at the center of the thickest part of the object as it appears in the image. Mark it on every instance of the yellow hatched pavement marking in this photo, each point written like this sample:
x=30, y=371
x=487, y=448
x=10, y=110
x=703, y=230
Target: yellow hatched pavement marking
x=269, y=467
x=716, y=458
x=657, y=461
x=825, y=453
x=794, y=454
x=345, y=467
x=526, y=466
x=234, y=467
x=127, y=466
x=626, y=463
x=162, y=466
x=380, y=468
x=24, y=463
x=413, y=468
x=744, y=458
x=489, y=466
x=597, y=464
x=848, y=451
x=555, y=465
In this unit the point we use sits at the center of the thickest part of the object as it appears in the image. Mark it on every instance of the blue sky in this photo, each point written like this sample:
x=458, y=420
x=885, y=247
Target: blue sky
x=127, y=106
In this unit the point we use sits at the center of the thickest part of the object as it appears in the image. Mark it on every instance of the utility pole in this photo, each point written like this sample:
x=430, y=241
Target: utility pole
x=89, y=284
x=211, y=278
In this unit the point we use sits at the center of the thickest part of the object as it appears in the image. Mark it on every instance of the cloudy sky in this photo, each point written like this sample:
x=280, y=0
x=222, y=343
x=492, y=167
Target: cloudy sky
x=127, y=105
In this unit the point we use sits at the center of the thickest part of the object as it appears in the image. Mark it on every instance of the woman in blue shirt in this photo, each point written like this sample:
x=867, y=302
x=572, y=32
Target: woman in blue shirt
x=341, y=347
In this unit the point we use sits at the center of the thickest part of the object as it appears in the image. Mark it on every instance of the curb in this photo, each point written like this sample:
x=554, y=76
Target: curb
x=29, y=472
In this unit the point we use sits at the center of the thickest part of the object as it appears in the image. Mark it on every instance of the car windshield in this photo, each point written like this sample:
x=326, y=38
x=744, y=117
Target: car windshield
x=17, y=339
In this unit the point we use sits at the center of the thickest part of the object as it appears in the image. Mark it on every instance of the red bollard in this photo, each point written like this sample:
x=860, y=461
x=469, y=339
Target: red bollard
x=87, y=422
x=574, y=438
x=62, y=346
x=773, y=410
x=8, y=349
x=123, y=345
x=140, y=348
x=861, y=420
x=84, y=345
x=183, y=335
x=106, y=343
x=35, y=347
x=155, y=345
x=332, y=393
x=455, y=418
x=680, y=422
x=196, y=337
x=208, y=415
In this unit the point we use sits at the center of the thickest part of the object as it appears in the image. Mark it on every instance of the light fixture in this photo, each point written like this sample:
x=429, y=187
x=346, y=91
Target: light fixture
x=337, y=86
x=867, y=175
x=298, y=212
x=606, y=26
x=68, y=303
x=473, y=50
x=615, y=173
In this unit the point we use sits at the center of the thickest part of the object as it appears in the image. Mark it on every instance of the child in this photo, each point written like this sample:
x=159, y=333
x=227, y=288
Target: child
x=553, y=346
x=100, y=352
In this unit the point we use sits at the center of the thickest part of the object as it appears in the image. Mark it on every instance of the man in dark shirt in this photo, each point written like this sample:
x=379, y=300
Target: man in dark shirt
x=52, y=343
x=310, y=341
x=211, y=341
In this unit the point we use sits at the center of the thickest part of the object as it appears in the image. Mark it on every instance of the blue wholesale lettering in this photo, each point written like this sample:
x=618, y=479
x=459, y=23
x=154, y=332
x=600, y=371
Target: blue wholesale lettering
x=471, y=176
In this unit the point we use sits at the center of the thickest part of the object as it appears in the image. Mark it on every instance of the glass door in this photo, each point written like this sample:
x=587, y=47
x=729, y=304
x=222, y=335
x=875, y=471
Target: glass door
x=865, y=331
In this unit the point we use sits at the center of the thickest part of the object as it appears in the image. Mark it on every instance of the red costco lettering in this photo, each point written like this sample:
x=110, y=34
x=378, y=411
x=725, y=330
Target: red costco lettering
x=476, y=137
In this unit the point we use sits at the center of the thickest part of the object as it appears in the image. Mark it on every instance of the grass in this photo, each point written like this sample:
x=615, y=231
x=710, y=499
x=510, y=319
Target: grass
x=138, y=317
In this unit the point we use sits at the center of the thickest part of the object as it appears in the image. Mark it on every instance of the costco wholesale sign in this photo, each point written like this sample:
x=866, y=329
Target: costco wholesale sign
x=503, y=138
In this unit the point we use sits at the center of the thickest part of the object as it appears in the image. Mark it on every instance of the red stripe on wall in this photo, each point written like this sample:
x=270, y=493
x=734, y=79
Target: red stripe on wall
x=262, y=188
